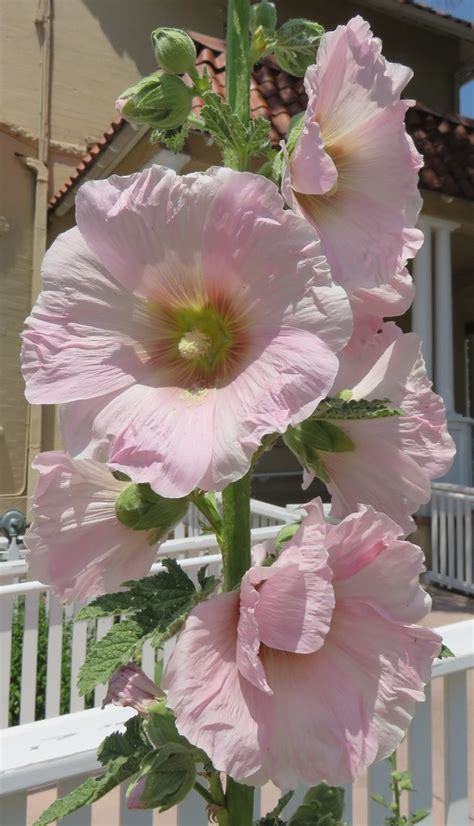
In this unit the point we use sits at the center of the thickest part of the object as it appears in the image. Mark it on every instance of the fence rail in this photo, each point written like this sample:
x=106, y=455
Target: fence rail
x=452, y=533
x=57, y=754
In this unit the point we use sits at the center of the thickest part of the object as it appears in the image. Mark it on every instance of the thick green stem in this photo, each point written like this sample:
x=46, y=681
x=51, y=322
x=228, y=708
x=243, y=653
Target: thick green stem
x=236, y=531
x=238, y=62
x=239, y=802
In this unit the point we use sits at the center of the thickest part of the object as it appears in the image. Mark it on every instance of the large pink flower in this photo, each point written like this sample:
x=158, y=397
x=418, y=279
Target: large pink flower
x=313, y=670
x=76, y=543
x=394, y=458
x=188, y=317
x=353, y=170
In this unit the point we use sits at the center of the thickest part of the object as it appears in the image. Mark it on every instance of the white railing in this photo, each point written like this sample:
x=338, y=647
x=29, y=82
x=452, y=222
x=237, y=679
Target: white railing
x=452, y=535
x=57, y=754
x=47, y=628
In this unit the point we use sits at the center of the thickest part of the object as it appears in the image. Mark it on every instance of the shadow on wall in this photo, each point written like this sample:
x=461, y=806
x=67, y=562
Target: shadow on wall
x=124, y=30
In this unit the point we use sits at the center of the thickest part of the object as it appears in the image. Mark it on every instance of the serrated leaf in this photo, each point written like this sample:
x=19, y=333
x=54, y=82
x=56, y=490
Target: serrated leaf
x=419, y=815
x=379, y=798
x=339, y=408
x=207, y=584
x=445, y=653
x=112, y=651
x=107, y=605
x=323, y=805
x=273, y=817
x=123, y=744
x=91, y=790
x=173, y=139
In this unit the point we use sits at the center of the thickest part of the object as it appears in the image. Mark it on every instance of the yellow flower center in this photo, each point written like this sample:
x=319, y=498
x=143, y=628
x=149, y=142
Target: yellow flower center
x=194, y=344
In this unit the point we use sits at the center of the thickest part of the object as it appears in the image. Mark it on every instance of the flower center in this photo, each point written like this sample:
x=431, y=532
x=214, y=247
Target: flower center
x=193, y=345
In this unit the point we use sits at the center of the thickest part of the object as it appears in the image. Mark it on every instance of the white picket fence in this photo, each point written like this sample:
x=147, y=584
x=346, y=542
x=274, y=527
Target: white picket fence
x=266, y=522
x=452, y=536
x=57, y=754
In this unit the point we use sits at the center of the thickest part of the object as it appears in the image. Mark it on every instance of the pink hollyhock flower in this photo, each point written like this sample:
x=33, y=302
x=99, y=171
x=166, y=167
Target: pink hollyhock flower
x=325, y=687
x=186, y=318
x=76, y=543
x=130, y=687
x=353, y=169
x=394, y=458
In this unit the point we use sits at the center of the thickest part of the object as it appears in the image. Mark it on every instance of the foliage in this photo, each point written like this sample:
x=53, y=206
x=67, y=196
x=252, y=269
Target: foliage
x=231, y=134
x=322, y=805
x=399, y=782
x=154, y=608
x=121, y=754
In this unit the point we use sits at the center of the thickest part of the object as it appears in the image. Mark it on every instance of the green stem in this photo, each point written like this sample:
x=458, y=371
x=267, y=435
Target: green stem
x=239, y=800
x=236, y=531
x=238, y=62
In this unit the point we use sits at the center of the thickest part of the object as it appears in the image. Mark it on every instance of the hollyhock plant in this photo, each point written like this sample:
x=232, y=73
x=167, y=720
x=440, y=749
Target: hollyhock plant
x=189, y=316
x=353, y=171
x=392, y=458
x=325, y=687
x=76, y=543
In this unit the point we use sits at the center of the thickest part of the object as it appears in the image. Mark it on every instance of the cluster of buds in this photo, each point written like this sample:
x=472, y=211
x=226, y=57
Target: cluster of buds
x=163, y=100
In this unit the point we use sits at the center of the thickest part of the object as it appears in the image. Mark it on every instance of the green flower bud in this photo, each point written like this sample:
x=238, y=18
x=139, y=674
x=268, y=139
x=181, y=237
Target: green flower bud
x=167, y=776
x=263, y=14
x=160, y=101
x=314, y=435
x=141, y=509
x=297, y=44
x=174, y=50
x=161, y=725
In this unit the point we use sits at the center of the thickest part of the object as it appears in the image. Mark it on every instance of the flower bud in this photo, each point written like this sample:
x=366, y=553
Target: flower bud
x=141, y=509
x=174, y=50
x=297, y=44
x=314, y=435
x=161, y=724
x=160, y=101
x=130, y=687
x=263, y=14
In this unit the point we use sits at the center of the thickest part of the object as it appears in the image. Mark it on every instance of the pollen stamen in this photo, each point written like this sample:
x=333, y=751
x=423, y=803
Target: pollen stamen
x=193, y=345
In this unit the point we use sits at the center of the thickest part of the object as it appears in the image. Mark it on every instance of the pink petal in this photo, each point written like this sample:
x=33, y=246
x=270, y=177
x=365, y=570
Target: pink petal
x=76, y=543
x=82, y=335
x=206, y=691
x=366, y=559
x=312, y=169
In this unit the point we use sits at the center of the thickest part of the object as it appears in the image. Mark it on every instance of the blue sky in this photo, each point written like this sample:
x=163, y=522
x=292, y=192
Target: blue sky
x=465, y=10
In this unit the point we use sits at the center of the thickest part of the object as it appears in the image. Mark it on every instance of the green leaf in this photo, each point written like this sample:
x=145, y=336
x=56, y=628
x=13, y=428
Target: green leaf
x=169, y=775
x=90, y=791
x=296, y=45
x=322, y=805
x=207, y=584
x=107, y=654
x=173, y=139
x=341, y=408
x=155, y=608
x=273, y=817
x=124, y=744
x=419, y=815
x=445, y=653
x=286, y=533
x=379, y=798
x=229, y=131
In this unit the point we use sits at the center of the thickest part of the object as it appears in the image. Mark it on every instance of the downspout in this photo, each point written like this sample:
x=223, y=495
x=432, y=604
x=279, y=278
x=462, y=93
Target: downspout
x=39, y=165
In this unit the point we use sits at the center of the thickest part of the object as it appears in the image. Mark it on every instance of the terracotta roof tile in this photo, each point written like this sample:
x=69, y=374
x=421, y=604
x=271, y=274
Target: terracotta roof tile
x=445, y=140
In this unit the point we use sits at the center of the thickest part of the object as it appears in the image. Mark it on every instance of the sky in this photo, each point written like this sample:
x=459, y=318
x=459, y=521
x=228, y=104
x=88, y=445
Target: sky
x=465, y=10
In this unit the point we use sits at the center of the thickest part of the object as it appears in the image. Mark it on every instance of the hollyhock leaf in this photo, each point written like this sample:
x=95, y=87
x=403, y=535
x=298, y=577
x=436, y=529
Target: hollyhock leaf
x=169, y=777
x=379, y=798
x=124, y=744
x=121, y=754
x=108, y=653
x=284, y=535
x=161, y=726
x=419, y=815
x=107, y=605
x=297, y=41
x=445, y=652
x=344, y=408
x=206, y=583
x=273, y=817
